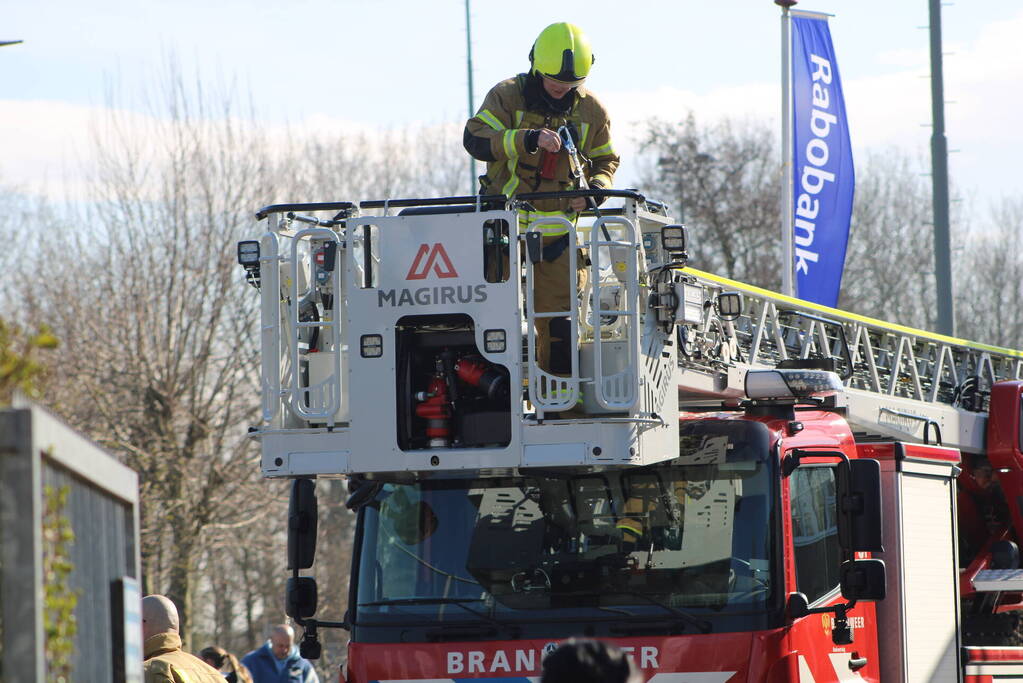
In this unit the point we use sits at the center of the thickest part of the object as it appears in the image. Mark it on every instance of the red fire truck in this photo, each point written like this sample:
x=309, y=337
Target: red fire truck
x=759, y=489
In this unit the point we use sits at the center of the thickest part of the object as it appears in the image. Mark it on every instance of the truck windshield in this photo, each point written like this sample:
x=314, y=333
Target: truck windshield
x=685, y=541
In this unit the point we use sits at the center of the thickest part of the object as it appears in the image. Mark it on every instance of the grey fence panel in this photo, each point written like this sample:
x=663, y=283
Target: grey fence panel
x=102, y=526
x=36, y=451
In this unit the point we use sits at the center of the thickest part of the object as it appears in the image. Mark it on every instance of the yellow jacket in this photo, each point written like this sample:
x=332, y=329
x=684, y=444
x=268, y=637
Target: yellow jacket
x=499, y=134
x=165, y=662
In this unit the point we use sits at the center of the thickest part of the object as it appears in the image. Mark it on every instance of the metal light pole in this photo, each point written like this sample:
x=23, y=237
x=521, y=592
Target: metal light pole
x=472, y=108
x=939, y=182
x=788, y=287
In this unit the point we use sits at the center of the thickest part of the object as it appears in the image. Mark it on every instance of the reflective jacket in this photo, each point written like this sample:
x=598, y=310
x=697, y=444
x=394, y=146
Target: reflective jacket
x=165, y=662
x=499, y=134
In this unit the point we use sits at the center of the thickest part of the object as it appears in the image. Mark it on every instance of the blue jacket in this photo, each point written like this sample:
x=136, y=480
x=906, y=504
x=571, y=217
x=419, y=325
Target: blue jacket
x=263, y=666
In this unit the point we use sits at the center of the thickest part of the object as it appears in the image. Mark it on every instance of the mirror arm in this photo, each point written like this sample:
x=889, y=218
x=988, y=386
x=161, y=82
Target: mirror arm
x=794, y=459
x=841, y=634
x=312, y=623
x=843, y=606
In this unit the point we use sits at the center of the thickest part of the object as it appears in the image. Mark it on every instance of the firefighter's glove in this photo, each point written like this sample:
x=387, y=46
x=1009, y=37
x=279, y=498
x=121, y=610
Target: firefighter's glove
x=532, y=140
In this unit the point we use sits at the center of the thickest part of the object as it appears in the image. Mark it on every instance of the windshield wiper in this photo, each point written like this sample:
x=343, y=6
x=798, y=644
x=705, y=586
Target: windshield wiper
x=457, y=602
x=420, y=601
x=701, y=624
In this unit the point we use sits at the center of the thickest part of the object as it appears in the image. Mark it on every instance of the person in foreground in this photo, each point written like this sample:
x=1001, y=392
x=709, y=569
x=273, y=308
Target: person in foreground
x=278, y=661
x=581, y=660
x=165, y=661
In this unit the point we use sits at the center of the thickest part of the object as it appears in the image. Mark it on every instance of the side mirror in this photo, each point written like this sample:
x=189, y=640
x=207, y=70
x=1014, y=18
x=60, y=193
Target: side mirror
x=858, y=485
x=300, y=597
x=361, y=492
x=310, y=647
x=863, y=580
x=302, y=521
x=797, y=606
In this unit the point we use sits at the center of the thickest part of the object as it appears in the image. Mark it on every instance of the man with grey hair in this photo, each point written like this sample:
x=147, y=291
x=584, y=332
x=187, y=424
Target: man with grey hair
x=165, y=662
x=278, y=661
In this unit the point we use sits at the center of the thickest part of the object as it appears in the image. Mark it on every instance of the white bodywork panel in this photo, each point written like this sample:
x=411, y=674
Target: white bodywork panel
x=918, y=622
x=392, y=267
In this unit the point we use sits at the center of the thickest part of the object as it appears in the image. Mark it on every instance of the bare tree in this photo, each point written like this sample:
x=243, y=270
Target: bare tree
x=723, y=179
x=160, y=358
x=889, y=263
x=989, y=280
x=418, y=161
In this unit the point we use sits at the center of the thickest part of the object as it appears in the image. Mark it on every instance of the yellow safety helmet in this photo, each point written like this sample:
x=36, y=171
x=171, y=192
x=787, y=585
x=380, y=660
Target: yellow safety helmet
x=562, y=53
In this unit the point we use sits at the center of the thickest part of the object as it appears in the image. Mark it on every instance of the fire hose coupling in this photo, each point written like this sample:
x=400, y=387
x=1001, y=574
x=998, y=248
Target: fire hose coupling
x=435, y=408
x=479, y=373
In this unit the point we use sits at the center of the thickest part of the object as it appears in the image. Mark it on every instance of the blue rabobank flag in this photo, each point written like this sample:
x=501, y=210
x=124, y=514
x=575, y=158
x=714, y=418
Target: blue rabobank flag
x=823, y=174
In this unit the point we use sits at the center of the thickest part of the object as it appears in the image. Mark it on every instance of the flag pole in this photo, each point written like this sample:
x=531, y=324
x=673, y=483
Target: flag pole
x=939, y=182
x=473, y=180
x=787, y=257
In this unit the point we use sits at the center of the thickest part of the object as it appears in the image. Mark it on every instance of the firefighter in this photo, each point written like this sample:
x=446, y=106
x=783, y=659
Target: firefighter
x=165, y=662
x=653, y=513
x=514, y=131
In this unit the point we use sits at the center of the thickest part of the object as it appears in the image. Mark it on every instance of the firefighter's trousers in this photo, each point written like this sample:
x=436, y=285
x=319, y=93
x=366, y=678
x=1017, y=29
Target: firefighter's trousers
x=553, y=290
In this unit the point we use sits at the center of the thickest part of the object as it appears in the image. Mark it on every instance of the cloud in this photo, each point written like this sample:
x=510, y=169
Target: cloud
x=50, y=148
x=48, y=145
x=43, y=144
x=889, y=110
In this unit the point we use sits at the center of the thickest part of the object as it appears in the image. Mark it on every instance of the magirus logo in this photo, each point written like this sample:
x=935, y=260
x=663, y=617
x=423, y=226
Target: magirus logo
x=431, y=257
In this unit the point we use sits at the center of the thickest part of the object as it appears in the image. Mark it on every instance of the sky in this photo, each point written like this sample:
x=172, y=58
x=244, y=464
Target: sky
x=343, y=65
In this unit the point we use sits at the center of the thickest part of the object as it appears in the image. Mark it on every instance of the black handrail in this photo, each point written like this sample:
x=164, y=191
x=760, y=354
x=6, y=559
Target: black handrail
x=315, y=206
x=487, y=199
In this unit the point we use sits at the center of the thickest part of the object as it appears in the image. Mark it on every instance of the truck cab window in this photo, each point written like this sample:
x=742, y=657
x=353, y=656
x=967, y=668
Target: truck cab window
x=815, y=530
x=683, y=537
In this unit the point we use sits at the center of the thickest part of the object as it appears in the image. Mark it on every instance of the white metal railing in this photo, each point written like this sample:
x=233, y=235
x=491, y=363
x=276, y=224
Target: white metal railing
x=620, y=390
x=549, y=392
x=609, y=330
x=270, y=322
x=322, y=400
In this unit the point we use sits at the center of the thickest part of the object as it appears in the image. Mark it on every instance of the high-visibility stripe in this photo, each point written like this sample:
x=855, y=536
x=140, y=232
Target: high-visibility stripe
x=181, y=675
x=513, y=179
x=565, y=393
x=603, y=150
x=518, y=118
x=626, y=527
x=509, y=144
x=585, y=134
x=508, y=141
x=488, y=118
x=527, y=217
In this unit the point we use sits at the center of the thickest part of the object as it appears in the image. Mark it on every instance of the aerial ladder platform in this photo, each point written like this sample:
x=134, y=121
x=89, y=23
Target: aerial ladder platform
x=398, y=339
x=899, y=382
